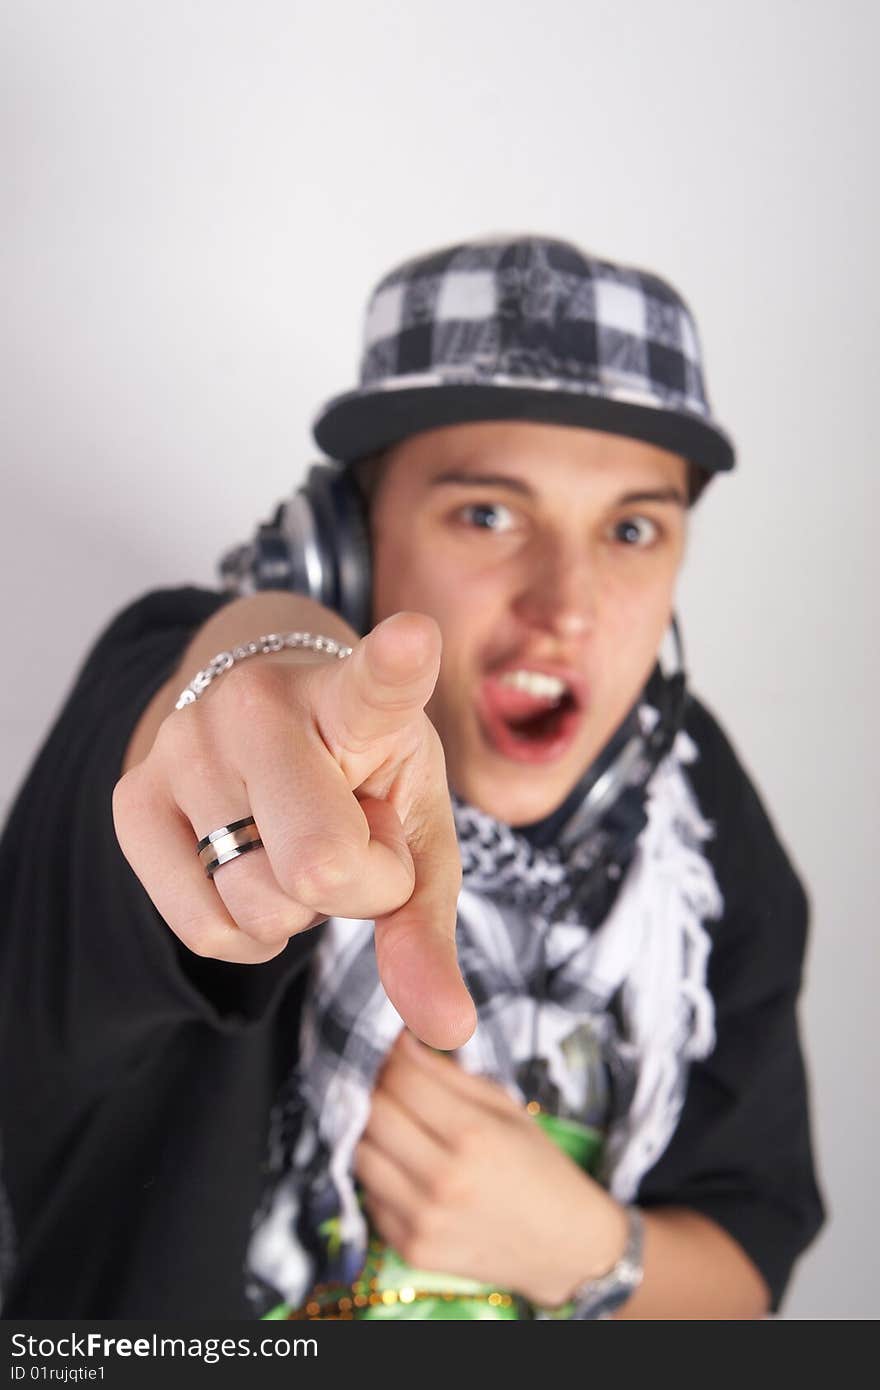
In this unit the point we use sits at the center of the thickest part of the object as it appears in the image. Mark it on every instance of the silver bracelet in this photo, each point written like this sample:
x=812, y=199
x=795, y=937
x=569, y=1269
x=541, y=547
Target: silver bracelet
x=271, y=642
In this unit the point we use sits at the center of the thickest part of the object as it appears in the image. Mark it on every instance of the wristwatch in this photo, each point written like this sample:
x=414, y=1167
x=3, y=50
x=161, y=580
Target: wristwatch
x=599, y=1298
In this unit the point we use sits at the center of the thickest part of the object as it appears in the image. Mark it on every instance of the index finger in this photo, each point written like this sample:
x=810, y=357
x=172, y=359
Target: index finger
x=415, y=945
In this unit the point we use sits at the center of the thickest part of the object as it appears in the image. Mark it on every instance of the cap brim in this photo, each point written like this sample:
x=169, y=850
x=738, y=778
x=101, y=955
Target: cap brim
x=364, y=422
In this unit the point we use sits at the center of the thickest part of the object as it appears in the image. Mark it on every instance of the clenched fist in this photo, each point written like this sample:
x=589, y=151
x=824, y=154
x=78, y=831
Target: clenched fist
x=345, y=776
x=460, y=1178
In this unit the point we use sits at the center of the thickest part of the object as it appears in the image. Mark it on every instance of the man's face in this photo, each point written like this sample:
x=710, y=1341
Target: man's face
x=548, y=557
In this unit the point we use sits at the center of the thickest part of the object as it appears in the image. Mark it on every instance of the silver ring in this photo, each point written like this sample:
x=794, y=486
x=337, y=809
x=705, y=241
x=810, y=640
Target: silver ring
x=228, y=842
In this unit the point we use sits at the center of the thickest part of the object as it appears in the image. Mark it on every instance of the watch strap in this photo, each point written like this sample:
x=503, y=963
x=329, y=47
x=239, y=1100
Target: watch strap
x=599, y=1298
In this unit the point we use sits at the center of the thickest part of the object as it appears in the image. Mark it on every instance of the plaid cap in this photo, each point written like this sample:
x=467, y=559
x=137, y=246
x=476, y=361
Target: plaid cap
x=526, y=328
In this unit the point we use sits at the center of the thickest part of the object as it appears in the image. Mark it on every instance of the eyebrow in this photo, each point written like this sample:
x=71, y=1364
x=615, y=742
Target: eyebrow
x=671, y=495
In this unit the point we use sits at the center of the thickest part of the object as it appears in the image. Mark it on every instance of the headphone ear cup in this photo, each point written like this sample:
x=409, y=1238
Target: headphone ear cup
x=342, y=543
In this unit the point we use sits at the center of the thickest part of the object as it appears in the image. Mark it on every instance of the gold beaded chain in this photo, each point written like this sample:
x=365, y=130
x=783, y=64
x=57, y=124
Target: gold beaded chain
x=364, y=1293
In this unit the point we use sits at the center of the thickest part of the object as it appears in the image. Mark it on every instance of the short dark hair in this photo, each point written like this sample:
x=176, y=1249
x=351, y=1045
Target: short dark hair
x=367, y=473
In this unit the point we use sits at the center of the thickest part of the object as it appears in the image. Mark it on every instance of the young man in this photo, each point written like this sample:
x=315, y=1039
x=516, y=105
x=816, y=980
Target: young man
x=567, y=875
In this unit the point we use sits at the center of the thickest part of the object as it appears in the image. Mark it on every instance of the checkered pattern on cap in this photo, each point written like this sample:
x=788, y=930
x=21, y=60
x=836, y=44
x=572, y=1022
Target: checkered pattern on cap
x=530, y=316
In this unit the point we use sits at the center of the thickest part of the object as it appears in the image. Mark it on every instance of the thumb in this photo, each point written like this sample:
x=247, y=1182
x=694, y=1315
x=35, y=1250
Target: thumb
x=384, y=684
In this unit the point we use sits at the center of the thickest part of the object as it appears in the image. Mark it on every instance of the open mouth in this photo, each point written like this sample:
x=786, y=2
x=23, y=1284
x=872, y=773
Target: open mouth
x=528, y=715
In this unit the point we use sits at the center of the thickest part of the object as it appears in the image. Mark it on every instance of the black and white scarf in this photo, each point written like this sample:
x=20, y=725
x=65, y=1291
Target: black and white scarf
x=604, y=1016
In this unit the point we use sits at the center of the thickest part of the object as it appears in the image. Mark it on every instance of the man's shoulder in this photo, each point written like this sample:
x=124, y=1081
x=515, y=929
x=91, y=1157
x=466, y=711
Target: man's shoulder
x=724, y=785
x=158, y=621
x=180, y=607
x=714, y=744
x=760, y=885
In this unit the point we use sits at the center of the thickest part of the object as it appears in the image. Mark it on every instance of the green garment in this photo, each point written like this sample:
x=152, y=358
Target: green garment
x=388, y=1287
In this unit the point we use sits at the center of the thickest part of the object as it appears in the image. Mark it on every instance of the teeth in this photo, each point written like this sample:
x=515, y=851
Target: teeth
x=535, y=683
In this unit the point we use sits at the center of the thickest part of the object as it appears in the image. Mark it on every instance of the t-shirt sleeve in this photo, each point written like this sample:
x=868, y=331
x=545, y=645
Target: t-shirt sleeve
x=742, y=1151
x=88, y=968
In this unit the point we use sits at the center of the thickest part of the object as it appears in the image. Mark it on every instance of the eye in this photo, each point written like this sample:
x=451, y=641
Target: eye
x=637, y=531
x=488, y=516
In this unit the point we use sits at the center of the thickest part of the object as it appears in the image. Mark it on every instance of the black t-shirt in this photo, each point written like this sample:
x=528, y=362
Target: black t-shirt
x=137, y=1078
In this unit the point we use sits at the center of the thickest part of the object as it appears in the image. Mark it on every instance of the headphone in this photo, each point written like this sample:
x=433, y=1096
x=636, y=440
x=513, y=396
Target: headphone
x=317, y=543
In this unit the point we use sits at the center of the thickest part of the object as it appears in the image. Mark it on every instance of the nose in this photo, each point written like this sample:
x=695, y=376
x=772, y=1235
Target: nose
x=557, y=592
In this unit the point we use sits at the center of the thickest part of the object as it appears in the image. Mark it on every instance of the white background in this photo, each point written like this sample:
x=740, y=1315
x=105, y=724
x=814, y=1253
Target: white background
x=200, y=195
